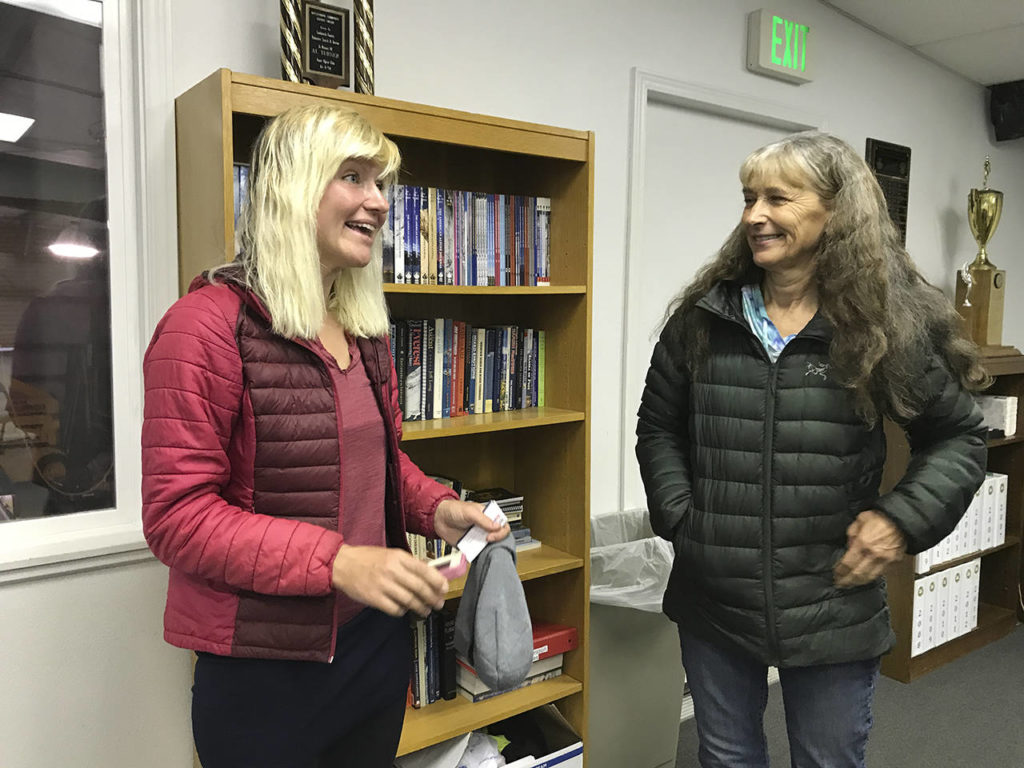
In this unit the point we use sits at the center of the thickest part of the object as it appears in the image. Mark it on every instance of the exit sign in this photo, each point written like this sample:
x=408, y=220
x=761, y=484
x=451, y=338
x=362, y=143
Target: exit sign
x=778, y=46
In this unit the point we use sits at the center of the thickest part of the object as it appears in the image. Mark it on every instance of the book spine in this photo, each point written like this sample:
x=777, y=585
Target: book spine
x=469, y=396
x=414, y=374
x=544, y=240
x=433, y=657
x=428, y=239
x=437, y=217
x=421, y=662
x=411, y=237
x=387, y=238
x=446, y=377
x=401, y=360
x=423, y=228
x=478, y=396
x=490, y=339
x=528, y=370
x=438, y=369
x=549, y=675
x=540, y=368
x=503, y=380
x=430, y=338
x=480, y=235
x=458, y=355
x=398, y=217
x=449, y=688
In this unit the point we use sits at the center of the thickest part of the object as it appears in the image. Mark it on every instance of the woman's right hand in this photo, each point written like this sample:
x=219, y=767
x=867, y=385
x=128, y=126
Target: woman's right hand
x=390, y=580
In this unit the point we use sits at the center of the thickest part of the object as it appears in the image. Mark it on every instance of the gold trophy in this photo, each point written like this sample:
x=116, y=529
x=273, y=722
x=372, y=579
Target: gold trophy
x=980, y=286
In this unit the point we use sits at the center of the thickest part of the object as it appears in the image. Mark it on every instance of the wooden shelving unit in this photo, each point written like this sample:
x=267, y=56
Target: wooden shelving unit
x=999, y=602
x=543, y=453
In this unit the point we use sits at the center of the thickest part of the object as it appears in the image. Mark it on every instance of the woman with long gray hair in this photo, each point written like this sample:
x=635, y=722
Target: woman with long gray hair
x=761, y=448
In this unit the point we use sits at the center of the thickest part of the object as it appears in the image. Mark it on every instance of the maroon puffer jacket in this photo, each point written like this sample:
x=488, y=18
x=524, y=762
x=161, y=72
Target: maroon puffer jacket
x=241, y=477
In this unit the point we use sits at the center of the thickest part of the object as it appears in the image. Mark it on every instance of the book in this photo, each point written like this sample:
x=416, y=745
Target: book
x=387, y=238
x=474, y=688
x=524, y=546
x=414, y=373
x=543, y=241
x=397, y=220
x=551, y=639
x=449, y=688
x=449, y=482
x=504, y=498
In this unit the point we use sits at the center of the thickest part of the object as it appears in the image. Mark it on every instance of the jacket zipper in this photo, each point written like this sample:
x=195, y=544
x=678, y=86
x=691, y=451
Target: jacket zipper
x=341, y=495
x=766, y=522
x=767, y=450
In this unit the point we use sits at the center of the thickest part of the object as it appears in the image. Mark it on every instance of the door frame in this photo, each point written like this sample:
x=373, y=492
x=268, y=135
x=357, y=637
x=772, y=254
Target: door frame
x=650, y=88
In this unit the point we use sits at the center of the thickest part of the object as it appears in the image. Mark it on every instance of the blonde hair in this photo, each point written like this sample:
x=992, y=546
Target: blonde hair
x=294, y=159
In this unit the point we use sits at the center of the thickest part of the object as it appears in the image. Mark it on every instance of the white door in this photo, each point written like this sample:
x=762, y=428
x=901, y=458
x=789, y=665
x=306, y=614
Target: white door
x=686, y=203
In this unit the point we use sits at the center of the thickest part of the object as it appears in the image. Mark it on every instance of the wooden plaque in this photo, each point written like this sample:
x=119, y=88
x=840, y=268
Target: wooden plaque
x=325, y=45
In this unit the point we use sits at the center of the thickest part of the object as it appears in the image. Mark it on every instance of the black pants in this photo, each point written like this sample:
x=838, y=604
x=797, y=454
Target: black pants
x=258, y=713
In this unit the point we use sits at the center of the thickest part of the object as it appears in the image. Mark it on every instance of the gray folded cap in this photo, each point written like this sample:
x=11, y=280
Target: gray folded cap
x=492, y=627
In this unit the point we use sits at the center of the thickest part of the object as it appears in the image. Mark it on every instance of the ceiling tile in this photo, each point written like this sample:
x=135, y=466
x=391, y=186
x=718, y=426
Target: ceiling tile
x=987, y=57
x=916, y=22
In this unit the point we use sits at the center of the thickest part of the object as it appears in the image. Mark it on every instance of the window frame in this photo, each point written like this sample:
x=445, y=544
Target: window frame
x=138, y=110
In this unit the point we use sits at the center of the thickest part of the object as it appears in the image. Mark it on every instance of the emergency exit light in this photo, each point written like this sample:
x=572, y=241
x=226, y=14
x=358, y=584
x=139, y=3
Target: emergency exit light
x=778, y=47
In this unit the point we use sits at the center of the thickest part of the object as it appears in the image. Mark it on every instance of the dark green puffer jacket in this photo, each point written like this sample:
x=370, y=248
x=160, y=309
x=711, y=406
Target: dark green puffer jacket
x=754, y=471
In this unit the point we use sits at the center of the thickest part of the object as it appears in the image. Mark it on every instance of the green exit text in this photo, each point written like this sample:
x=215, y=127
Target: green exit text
x=794, y=36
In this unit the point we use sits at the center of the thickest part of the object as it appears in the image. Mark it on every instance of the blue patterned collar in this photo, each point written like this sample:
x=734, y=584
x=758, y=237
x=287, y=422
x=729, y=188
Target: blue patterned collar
x=757, y=318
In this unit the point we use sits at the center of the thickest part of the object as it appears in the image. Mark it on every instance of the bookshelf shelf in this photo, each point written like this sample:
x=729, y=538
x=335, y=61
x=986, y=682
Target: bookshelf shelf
x=531, y=564
x=541, y=453
x=1000, y=442
x=486, y=290
x=489, y=422
x=993, y=623
x=1010, y=543
x=1000, y=566
x=447, y=719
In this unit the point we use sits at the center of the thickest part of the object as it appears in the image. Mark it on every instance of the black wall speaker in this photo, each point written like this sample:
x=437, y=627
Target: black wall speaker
x=1006, y=109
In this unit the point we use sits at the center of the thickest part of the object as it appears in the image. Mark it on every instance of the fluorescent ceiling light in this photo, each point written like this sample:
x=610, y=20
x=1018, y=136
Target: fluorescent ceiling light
x=72, y=250
x=13, y=127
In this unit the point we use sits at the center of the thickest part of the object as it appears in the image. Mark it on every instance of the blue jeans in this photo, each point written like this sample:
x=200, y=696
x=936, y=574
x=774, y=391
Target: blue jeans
x=828, y=708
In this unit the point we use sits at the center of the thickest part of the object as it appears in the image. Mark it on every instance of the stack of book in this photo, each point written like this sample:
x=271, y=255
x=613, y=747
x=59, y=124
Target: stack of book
x=550, y=644
x=449, y=367
x=432, y=675
x=511, y=505
x=436, y=236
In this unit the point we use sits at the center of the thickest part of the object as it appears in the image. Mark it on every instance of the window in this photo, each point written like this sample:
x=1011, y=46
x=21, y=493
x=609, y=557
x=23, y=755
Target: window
x=56, y=428
x=71, y=300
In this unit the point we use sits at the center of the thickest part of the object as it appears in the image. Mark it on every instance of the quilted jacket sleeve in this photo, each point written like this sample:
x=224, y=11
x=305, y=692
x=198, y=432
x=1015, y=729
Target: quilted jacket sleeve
x=947, y=463
x=420, y=494
x=662, y=446
x=193, y=396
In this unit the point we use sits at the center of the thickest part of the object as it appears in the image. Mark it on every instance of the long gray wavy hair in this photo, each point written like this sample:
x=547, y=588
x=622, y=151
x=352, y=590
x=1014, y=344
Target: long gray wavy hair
x=888, y=320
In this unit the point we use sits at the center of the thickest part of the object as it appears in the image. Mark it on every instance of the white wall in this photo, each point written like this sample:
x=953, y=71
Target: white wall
x=566, y=63
x=87, y=678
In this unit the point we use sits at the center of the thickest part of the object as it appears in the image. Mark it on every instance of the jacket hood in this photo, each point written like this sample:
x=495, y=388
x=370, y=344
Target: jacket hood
x=232, y=276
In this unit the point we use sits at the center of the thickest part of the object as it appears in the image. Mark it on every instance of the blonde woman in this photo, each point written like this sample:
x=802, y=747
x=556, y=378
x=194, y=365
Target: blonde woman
x=274, y=486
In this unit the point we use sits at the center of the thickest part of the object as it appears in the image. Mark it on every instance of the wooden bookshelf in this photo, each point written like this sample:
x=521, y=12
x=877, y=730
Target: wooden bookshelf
x=542, y=453
x=999, y=602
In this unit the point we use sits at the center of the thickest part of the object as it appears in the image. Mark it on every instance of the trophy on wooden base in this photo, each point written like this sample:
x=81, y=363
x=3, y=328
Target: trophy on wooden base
x=980, y=285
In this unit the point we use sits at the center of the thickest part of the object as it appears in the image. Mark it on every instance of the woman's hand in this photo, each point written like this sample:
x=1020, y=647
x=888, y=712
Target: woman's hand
x=872, y=542
x=453, y=518
x=390, y=580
